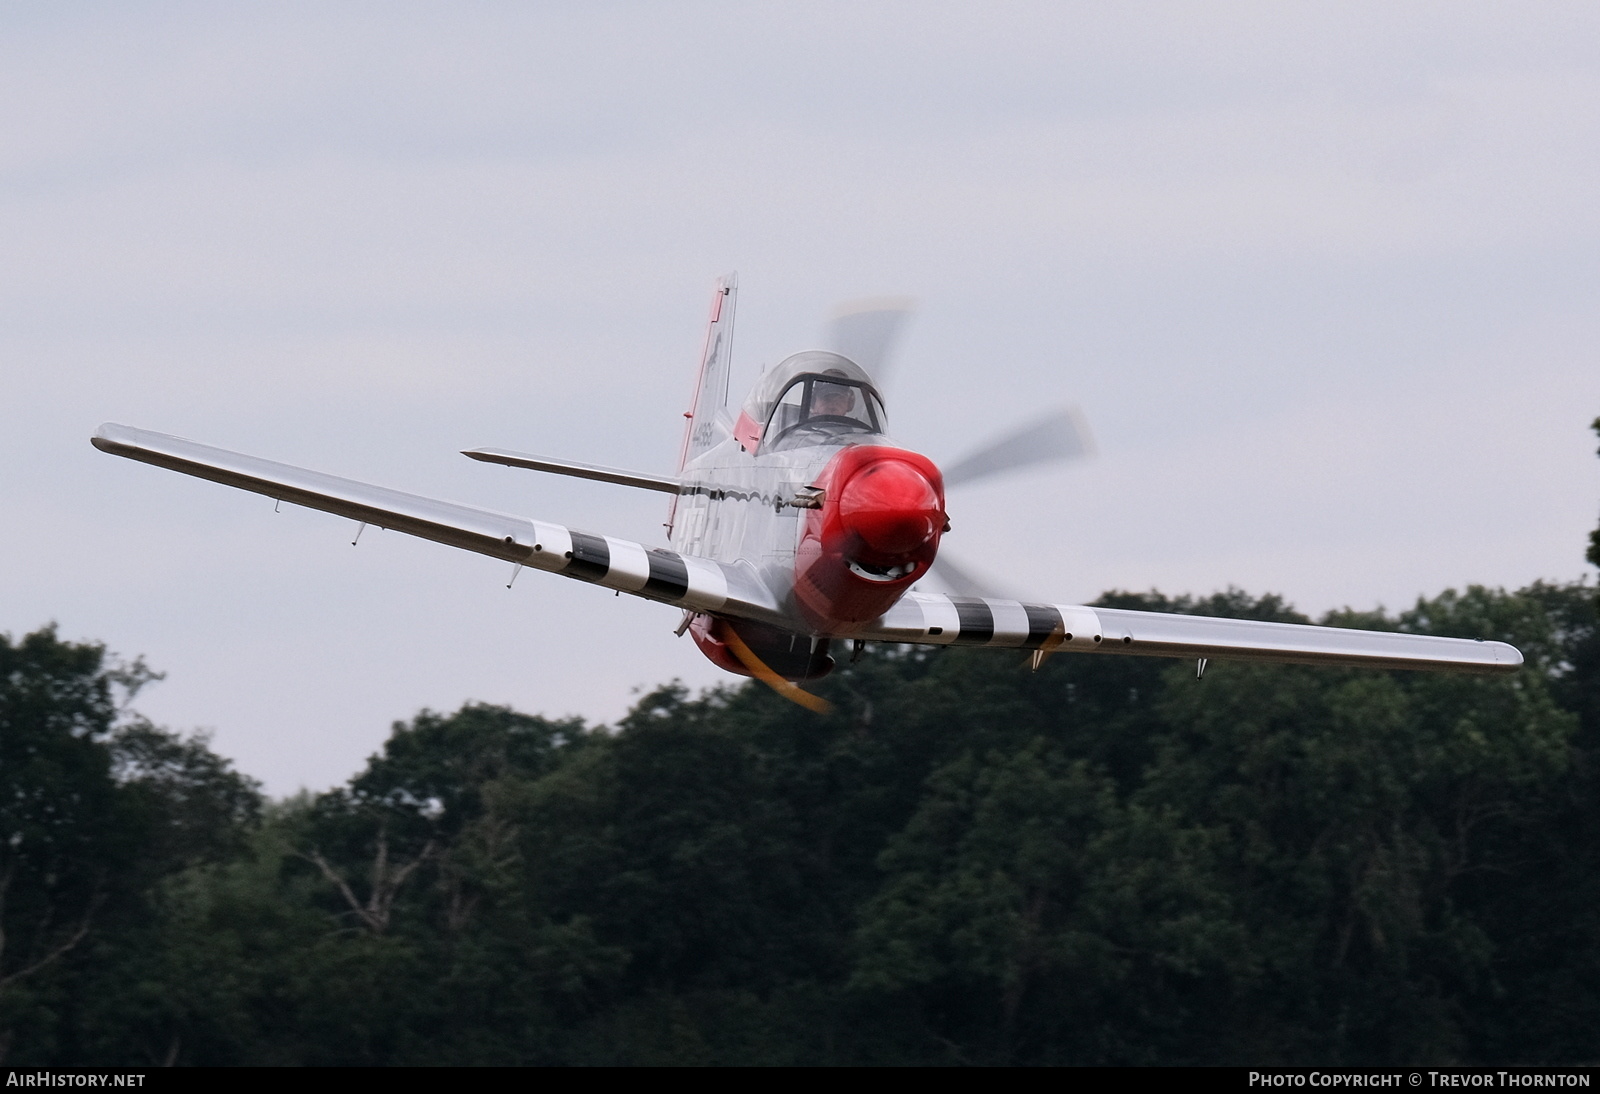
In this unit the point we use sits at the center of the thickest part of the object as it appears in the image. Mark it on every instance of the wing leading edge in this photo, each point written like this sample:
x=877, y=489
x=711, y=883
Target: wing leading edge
x=934, y=619
x=697, y=584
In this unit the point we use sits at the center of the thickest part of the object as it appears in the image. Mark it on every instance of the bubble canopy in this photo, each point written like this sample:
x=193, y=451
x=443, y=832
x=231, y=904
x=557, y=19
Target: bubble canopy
x=809, y=398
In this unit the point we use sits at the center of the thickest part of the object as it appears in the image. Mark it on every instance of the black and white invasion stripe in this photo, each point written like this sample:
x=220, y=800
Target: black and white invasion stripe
x=986, y=621
x=932, y=619
x=652, y=572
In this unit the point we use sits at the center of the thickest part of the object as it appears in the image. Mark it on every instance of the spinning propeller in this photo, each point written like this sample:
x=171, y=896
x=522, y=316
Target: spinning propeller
x=866, y=331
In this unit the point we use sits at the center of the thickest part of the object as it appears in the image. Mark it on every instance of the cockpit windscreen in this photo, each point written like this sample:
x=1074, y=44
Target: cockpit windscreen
x=818, y=406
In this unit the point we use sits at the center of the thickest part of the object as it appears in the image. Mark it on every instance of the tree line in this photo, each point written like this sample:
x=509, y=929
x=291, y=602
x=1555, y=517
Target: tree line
x=1104, y=861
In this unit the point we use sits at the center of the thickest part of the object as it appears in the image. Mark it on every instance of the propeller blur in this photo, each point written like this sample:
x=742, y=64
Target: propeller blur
x=798, y=522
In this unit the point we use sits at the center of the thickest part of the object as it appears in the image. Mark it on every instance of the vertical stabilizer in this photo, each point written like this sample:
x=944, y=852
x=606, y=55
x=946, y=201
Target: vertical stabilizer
x=708, y=423
x=708, y=419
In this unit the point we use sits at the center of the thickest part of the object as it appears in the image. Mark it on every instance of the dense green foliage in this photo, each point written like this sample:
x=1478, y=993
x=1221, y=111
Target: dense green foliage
x=98, y=810
x=1103, y=861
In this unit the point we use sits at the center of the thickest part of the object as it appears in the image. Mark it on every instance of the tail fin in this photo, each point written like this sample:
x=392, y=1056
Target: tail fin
x=708, y=420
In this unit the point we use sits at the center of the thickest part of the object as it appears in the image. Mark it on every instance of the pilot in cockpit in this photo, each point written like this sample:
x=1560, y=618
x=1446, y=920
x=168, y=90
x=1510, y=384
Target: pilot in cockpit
x=833, y=400
x=819, y=403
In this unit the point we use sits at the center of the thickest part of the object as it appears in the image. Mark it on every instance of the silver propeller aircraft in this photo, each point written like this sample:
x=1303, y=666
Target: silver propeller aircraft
x=798, y=523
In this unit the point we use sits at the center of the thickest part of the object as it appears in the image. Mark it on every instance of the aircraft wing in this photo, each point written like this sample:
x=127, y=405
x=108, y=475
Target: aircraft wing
x=934, y=619
x=654, y=573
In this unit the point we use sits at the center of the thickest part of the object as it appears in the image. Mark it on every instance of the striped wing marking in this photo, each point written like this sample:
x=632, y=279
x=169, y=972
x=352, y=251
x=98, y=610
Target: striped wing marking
x=933, y=619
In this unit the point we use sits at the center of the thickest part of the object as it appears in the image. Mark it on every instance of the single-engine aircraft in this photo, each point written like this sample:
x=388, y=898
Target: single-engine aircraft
x=797, y=524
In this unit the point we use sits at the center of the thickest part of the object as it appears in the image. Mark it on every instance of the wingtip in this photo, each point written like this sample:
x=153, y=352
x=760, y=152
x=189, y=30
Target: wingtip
x=1507, y=658
x=105, y=438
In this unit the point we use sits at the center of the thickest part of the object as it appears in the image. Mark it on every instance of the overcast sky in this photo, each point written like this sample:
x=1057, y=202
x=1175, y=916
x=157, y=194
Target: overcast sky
x=1323, y=278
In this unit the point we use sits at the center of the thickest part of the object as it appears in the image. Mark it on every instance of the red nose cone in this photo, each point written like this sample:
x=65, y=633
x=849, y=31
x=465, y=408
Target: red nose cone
x=891, y=507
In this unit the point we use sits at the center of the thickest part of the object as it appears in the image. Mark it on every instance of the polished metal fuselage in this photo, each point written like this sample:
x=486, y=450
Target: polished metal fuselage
x=736, y=508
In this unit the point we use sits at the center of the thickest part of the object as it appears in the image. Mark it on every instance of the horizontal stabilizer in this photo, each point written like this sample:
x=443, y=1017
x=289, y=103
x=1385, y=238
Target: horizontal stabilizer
x=576, y=470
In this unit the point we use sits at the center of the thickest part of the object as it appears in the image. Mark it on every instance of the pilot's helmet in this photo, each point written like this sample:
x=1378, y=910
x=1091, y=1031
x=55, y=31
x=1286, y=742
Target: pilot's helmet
x=836, y=399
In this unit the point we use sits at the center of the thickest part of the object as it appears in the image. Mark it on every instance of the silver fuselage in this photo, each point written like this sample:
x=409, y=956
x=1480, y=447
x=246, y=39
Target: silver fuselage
x=735, y=508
